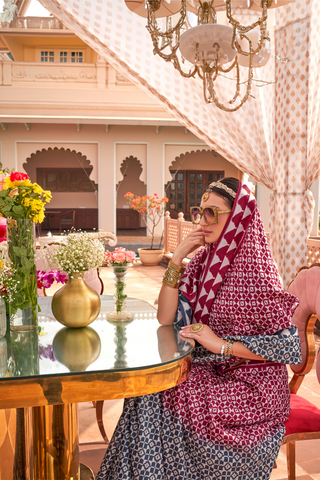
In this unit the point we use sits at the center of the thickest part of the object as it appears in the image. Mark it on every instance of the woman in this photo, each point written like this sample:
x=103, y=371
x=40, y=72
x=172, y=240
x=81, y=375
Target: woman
x=226, y=420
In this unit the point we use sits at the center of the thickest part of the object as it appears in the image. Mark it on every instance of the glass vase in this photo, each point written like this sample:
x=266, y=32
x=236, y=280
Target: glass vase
x=3, y=357
x=21, y=253
x=3, y=318
x=24, y=352
x=120, y=312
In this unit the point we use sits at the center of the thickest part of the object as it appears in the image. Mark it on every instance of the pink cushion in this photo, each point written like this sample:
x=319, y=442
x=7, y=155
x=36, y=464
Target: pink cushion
x=304, y=416
x=306, y=286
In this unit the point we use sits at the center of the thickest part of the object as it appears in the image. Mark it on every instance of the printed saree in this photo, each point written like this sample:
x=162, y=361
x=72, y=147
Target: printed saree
x=226, y=420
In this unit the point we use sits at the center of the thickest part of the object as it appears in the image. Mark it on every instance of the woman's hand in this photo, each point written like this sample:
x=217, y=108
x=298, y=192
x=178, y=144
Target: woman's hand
x=194, y=240
x=205, y=337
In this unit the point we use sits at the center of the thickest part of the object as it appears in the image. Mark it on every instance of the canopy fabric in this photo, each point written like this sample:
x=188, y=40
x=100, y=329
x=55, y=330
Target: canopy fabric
x=274, y=137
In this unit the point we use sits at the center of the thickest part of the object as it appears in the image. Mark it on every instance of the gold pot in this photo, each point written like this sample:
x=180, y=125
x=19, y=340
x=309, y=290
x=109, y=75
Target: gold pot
x=76, y=349
x=76, y=304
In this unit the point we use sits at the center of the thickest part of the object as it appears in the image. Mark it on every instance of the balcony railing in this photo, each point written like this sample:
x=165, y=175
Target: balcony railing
x=176, y=230
x=48, y=23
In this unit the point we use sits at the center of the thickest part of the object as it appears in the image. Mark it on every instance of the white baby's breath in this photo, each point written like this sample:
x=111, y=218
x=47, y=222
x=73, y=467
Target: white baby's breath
x=77, y=252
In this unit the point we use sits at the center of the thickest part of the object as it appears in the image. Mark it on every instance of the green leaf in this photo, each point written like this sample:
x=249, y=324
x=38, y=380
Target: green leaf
x=18, y=209
x=4, y=193
x=6, y=207
x=17, y=251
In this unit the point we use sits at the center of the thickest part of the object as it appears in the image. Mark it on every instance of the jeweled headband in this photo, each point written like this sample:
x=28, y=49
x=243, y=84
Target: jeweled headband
x=218, y=185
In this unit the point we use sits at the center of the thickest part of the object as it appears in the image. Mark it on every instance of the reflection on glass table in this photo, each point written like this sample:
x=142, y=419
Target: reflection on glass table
x=61, y=367
x=99, y=347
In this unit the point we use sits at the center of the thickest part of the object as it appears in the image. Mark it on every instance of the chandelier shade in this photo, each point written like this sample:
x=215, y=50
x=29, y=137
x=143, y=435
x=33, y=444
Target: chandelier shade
x=211, y=42
x=219, y=5
x=274, y=3
x=166, y=9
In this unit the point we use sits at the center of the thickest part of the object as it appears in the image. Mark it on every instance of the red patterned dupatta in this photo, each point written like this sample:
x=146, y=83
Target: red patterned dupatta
x=242, y=255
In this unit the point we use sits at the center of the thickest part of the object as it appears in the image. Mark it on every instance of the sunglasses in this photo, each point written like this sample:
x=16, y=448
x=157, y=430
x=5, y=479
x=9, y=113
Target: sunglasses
x=210, y=214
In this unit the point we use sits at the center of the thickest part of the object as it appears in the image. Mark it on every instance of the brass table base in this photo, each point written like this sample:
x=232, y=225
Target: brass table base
x=47, y=444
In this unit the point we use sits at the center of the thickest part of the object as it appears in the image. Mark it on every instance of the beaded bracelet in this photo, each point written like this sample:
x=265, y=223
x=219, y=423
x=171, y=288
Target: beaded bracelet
x=223, y=347
x=173, y=275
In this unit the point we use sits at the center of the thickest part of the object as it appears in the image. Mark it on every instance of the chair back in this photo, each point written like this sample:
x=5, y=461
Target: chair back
x=306, y=286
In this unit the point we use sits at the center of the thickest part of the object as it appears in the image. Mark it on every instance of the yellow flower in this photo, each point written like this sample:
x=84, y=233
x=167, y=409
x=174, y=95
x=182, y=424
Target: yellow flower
x=8, y=184
x=1, y=264
x=26, y=202
x=37, y=189
x=22, y=183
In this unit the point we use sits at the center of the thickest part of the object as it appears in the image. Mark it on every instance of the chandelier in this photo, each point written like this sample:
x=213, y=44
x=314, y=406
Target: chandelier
x=211, y=50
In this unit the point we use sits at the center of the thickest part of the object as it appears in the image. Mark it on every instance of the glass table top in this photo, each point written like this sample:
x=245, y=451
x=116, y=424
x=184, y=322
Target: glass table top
x=100, y=347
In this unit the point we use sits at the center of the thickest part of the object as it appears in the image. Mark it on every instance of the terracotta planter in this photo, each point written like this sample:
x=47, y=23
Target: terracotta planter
x=150, y=257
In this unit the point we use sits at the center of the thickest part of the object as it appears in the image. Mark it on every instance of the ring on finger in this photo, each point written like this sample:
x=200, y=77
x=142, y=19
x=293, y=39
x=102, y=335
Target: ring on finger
x=196, y=327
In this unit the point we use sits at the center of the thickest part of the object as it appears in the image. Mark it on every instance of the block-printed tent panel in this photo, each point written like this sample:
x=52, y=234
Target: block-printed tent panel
x=259, y=138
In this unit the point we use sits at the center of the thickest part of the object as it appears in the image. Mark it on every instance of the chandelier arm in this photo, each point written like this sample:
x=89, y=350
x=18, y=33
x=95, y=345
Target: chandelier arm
x=157, y=35
x=227, y=70
x=212, y=98
x=238, y=28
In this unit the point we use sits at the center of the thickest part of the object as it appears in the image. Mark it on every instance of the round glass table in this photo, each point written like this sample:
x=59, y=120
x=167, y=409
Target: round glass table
x=45, y=375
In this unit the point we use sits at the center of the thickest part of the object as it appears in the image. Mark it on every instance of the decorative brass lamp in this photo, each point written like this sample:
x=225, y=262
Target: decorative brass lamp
x=210, y=49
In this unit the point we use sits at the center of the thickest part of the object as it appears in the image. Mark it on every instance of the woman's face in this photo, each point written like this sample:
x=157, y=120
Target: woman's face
x=212, y=233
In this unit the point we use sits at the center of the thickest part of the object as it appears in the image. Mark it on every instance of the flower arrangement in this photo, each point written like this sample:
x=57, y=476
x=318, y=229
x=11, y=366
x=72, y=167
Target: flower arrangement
x=77, y=252
x=150, y=208
x=22, y=203
x=120, y=260
x=120, y=256
x=20, y=198
x=46, y=279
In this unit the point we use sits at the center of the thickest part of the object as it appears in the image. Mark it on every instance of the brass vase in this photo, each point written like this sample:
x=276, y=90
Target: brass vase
x=76, y=349
x=76, y=304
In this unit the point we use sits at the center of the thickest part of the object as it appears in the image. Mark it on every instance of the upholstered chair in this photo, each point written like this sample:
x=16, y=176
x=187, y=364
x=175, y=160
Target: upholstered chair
x=304, y=419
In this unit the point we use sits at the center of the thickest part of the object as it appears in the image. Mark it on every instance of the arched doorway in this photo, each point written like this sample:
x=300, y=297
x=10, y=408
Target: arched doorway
x=70, y=178
x=128, y=220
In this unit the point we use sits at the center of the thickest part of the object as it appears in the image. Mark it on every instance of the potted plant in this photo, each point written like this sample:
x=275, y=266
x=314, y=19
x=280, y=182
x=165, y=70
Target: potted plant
x=151, y=208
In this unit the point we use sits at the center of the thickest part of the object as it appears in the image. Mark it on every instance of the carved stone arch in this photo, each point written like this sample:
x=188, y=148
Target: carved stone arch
x=180, y=160
x=131, y=169
x=59, y=158
x=45, y=154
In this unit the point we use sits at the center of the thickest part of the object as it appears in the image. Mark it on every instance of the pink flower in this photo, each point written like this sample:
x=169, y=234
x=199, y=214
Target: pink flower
x=119, y=257
x=119, y=249
x=107, y=255
x=130, y=256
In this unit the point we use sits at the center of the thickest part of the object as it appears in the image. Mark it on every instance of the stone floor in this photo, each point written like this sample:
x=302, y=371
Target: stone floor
x=144, y=283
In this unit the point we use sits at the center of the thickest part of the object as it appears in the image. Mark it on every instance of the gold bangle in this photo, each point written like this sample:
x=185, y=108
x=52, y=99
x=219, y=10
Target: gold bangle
x=173, y=275
x=228, y=348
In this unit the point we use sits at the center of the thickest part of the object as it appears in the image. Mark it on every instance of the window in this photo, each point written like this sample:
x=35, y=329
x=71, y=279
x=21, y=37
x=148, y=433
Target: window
x=63, y=57
x=76, y=57
x=47, y=56
x=66, y=179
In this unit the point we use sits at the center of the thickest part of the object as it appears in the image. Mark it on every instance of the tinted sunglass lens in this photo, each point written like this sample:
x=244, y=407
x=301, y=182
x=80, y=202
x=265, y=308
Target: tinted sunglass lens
x=209, y=216
x=195, y=215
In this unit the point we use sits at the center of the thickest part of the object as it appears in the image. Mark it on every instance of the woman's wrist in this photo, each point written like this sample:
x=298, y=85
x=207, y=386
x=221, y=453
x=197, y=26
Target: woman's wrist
x=177, y=259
